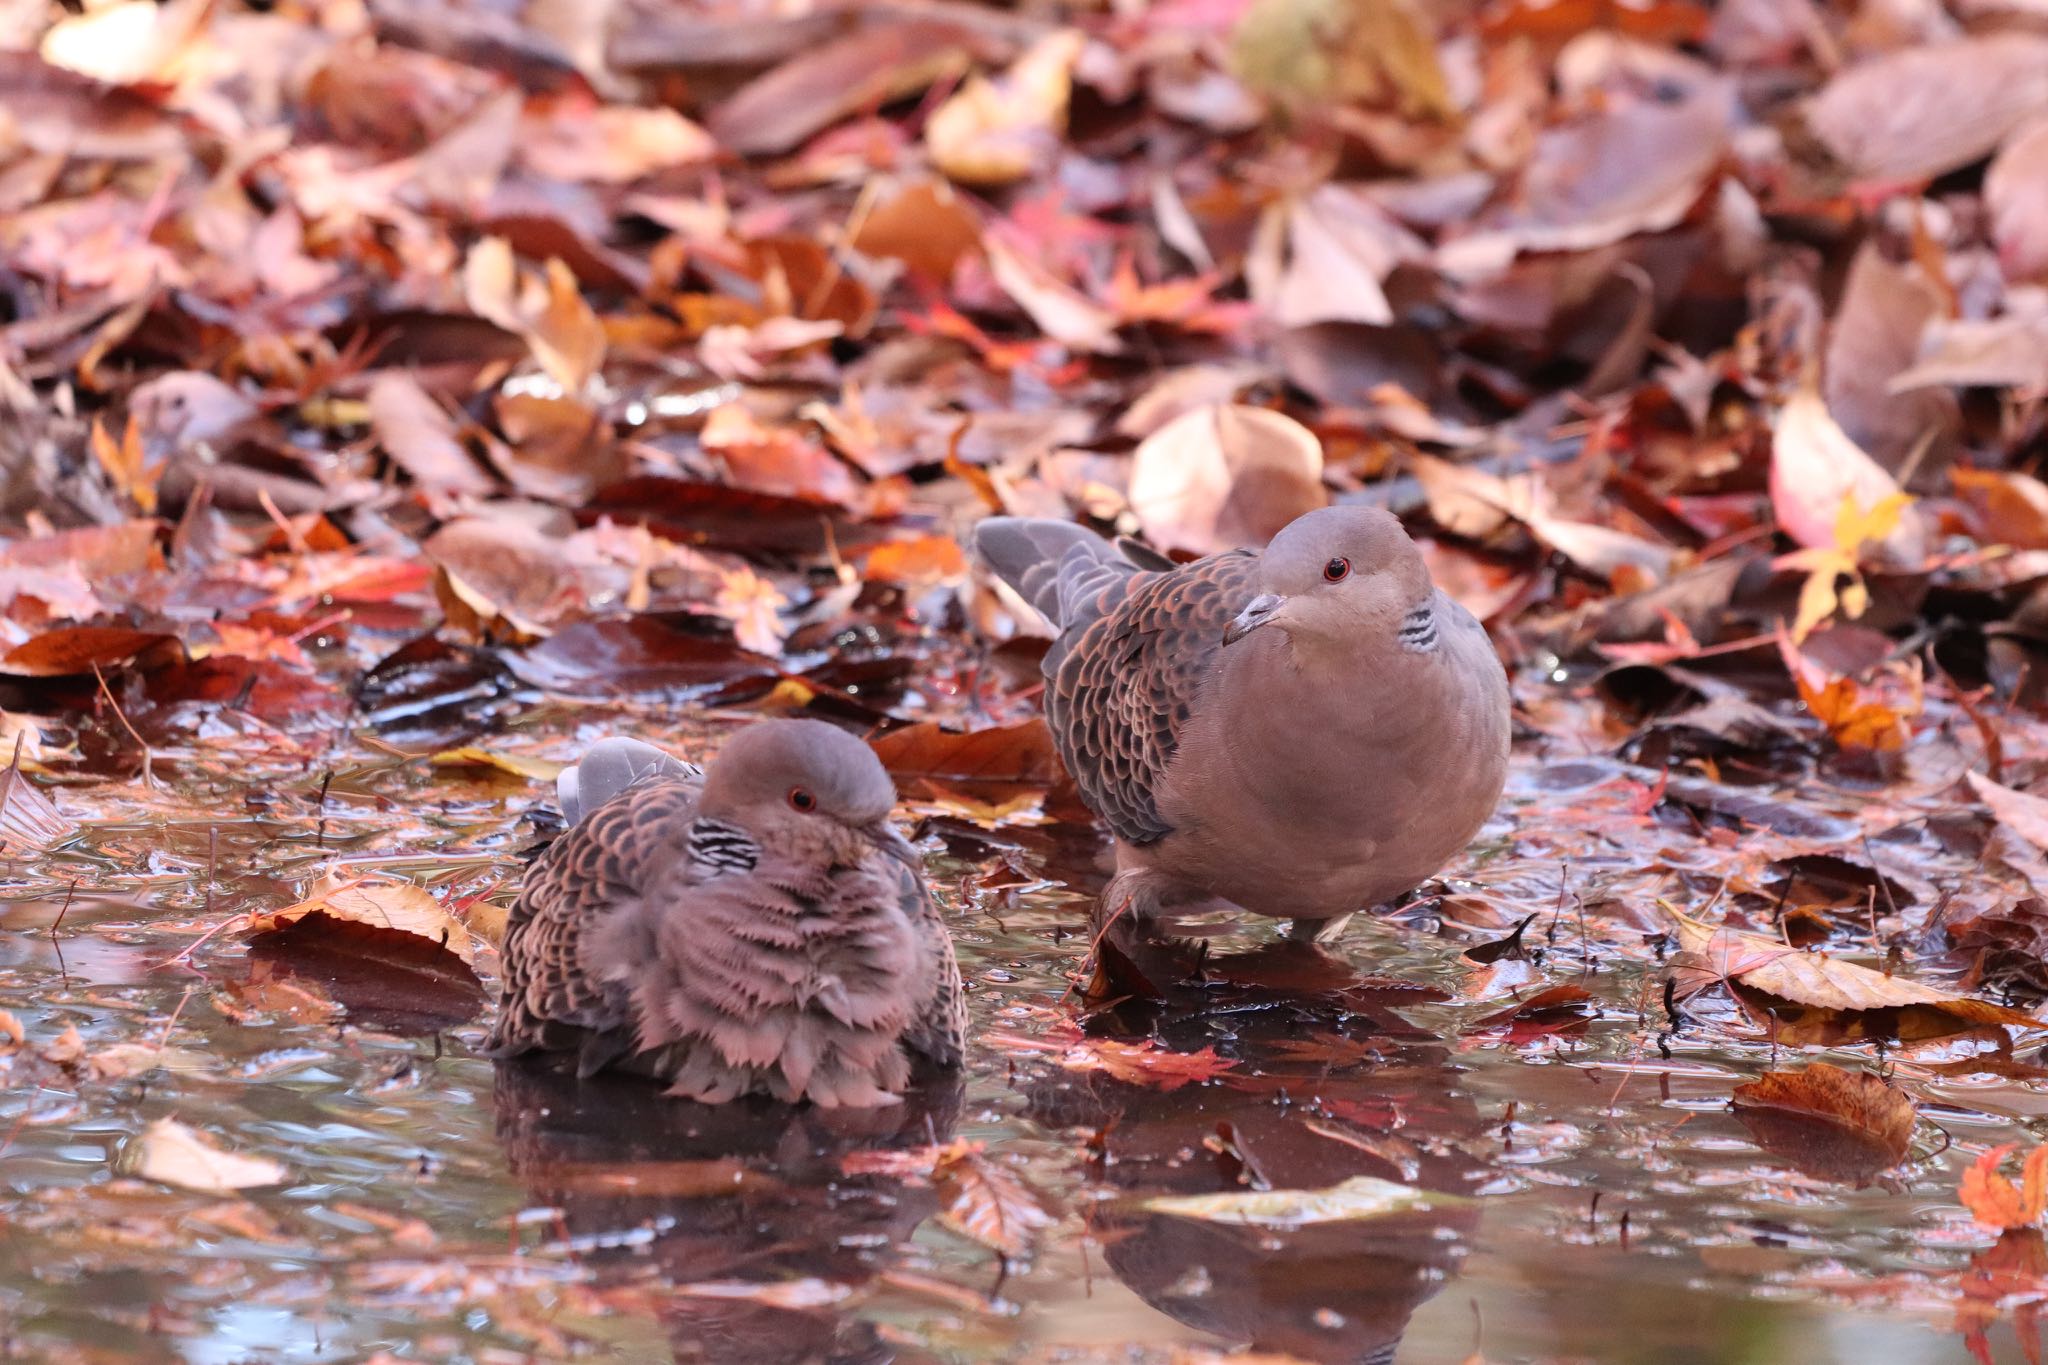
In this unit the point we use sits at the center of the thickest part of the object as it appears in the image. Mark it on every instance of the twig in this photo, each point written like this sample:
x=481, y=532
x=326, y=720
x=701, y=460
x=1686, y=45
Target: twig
x=148, y=759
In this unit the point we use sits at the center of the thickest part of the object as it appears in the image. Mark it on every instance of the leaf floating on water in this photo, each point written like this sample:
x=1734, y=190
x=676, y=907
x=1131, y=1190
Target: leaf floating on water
x=793, y=1295
x=519, y=765
x=1853, y=1002
x=399, y=907
x=1349, y=1201
x=1994, y=1201
x=988, y=1203
x=1827, y=1121
x=171, y=1153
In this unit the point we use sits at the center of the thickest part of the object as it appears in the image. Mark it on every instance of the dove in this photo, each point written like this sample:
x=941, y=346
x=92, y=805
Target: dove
x=757, y=927
x=1304, y=732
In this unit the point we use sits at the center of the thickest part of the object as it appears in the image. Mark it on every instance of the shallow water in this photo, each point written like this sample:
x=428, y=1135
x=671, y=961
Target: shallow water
x=1606, y=1204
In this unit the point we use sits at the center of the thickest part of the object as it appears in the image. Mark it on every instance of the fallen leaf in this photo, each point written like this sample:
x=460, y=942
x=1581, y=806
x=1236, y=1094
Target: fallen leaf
x=1858, y=1001
x=1930, y=108
x=1994, y=1201
x=1818, y=474
x=1145, y=1063
x=992, y=765
x=70, y=650
x=987, y=1202
x=421, y=439
x=774, y=112
x=1857, y=718
x=169, y=1152
x=994, y=132
x=1340, y=248
x=29, y=819
x=2024, y=813
x=611, y=143
x=1841, y=1121
x=519, y=765
x=1358, y=1199
x=567, y=338
x=1062, y=312
x=399, y=907
x=1225, y=475
x=2016, y=193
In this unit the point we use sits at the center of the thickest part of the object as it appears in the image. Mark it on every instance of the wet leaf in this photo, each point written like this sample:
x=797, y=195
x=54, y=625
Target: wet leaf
x=421, y=439
x=988, y=1203
x=172, y=1153
x=2024, y=813
x=518, y=765
x=70, y=650
x=2016, y=193
x=1842, y=1124
x=1817, y=981
x=1359, y=1199
x=1994, y=1201
x=992, y=765
x=395, y=907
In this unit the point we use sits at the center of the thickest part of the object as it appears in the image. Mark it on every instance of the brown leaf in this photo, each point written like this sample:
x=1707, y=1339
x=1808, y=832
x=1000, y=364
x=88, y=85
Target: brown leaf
x=2016, y=193
x=1928, y=109
x=1842, y=991
x=28, y=817
x=994, y=132
x=2021, y=812
x=1840, y=1124
x=1062, y=312
x=775, y=112
x=399, y=907
x=567, y=338
x=987, y=1202
x=70, y=650
x=611, y=143
x=925, y=225
x=421, y=439
x=1874, y=337
x=1340, y=248
x=992, y=765
x=1224, y=476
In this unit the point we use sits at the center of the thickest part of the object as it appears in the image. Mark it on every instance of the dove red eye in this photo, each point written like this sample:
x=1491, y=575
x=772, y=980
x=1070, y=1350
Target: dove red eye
x=800, y=798
x=1336, y=571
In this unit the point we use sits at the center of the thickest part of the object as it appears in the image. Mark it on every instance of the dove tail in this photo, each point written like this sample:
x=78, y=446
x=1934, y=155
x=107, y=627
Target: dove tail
x=1040, y=557
x=611, y=766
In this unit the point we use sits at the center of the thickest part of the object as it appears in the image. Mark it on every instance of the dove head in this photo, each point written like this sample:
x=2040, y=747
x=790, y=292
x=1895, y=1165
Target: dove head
x=803, y=779
x=1337, y=576
x=188, y=406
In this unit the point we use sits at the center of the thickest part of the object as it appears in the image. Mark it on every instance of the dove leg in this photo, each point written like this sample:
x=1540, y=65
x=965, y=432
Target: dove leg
x=1318, y=931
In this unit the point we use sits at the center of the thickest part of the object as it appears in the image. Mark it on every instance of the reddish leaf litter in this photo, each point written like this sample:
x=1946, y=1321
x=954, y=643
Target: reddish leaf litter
x=399, y=396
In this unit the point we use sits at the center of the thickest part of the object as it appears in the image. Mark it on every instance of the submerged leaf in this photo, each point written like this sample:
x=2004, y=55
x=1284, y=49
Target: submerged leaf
x=1361, y=1197
x=174, y=1154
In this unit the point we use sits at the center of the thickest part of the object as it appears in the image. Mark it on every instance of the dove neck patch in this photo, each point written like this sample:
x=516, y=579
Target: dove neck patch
x=717, y=848
x=1418, y=630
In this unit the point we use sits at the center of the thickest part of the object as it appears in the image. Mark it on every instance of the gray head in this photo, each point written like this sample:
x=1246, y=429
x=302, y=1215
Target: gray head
x=1336, y=574
x=188, y=406
x=801, y=778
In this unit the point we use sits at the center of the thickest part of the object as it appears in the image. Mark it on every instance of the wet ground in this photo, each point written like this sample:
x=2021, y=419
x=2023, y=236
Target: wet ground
x=1591, y=1194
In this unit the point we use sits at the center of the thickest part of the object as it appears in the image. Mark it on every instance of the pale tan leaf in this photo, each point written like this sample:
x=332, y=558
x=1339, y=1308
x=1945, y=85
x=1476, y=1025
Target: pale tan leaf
x=171, y=1153
x=1062, y=312
x=993, y=132
x=1349, y=1201
x=1816, y=469
x=1225, y=475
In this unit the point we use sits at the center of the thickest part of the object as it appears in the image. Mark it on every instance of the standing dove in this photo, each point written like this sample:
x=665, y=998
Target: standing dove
x=758, y=928
x=1305, y=732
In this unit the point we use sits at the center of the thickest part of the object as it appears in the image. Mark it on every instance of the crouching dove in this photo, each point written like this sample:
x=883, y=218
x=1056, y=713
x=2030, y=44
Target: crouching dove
x=757, y=928
x=1305, y=732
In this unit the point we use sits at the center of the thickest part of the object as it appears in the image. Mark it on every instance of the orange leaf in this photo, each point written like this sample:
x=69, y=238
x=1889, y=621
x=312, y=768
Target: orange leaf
x=1992, y=1199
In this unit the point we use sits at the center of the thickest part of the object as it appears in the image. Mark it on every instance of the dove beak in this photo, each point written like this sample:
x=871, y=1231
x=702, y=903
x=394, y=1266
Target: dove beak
x=886, y=837
x=1261, y=611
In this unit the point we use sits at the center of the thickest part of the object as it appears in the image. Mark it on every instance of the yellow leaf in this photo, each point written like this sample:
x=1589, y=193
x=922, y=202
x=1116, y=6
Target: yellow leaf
x=519, y=765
